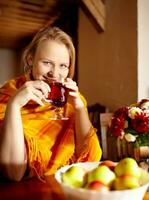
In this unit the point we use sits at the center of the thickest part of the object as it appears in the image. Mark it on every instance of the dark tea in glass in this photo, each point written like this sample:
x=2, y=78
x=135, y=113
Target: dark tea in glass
x=57, y=97
x=58, y=94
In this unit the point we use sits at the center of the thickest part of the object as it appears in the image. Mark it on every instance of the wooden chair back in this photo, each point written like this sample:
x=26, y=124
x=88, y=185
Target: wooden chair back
x=94, y=115
x=108, y=142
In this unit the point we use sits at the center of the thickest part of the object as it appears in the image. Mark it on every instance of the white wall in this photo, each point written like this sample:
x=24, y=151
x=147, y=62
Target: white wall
x=7, y=64
x=143, y=49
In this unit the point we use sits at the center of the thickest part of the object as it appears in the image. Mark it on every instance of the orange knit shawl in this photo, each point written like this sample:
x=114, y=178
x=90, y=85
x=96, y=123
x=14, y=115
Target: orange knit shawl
x=50, y=144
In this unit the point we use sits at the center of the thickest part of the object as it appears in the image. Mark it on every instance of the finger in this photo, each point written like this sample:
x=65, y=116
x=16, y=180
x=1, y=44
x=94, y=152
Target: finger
x=72, y=85
x=38, y=93
x=34, y=94
x=44, y=87
x=70, y=81
x=47, y=86
x=41, y=85
x=73, y=94
x=37, y=100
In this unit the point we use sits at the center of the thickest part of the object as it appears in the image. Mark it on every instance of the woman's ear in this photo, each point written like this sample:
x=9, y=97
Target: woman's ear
x=30, y=60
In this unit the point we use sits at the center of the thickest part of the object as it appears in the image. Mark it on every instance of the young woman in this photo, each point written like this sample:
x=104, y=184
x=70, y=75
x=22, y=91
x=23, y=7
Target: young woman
x=30, y=143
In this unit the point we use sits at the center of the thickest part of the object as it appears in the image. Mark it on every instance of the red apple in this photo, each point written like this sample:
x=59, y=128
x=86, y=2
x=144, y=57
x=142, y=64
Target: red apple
x=98, y=186
x=109, y=163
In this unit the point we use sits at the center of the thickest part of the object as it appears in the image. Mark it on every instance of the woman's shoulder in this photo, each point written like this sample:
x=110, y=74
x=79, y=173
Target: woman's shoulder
x=20, y=80
x=12, y=85
x=15, y=80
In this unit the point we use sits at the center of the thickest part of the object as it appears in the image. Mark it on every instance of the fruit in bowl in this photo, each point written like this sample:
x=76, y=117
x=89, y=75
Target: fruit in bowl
x=74, y=176
x=101, y=173
x=128, y=174
x=99, y=180
x=126, y=182
x=97, y=185
x=127, y=166
x=109, y=163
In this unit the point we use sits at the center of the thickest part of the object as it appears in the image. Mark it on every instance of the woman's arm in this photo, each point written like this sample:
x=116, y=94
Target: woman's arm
x=13, y=158
x=87, y=143
x=82, y=126
x=12, y=145
x=82, y=122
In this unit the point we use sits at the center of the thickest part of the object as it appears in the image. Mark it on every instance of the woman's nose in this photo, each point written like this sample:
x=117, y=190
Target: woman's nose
x=49, y=74
x=53, y=73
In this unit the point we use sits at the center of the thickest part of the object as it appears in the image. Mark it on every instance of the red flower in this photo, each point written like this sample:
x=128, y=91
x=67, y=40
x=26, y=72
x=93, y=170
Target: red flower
x=118, y=121
x=117, y=126
x=121, y=113
x=140, y=123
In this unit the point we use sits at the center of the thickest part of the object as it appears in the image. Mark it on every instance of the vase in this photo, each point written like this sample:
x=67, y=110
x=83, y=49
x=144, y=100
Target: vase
x=124, y=149
x=130, y=149
x=141, y=148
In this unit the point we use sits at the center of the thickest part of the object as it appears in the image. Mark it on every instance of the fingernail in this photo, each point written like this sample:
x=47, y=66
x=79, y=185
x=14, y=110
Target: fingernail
x=49, y=89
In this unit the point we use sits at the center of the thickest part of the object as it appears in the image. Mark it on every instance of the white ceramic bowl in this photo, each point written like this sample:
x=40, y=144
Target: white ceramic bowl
x=84, y=194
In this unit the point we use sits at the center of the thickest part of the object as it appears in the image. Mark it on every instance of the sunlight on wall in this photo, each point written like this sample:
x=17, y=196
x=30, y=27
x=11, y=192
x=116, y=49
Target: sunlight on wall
x=143, y=49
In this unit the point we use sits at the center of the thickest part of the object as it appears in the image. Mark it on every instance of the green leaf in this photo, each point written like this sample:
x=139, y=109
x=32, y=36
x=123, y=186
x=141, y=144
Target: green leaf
x=142, y=140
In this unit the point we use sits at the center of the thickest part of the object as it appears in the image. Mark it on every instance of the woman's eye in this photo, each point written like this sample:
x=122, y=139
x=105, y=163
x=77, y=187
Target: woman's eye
x=64, y=66
x=47, y=63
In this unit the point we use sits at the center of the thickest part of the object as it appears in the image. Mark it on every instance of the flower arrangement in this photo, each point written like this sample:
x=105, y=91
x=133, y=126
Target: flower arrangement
x=132, y=123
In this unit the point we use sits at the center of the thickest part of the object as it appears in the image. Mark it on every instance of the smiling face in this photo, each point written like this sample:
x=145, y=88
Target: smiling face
x=51, y=60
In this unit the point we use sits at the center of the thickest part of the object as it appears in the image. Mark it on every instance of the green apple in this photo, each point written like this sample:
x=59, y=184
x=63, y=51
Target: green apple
x=127, y=166
x=74, y=176
x=126, y=182
x=98, y=186
x=103, y=174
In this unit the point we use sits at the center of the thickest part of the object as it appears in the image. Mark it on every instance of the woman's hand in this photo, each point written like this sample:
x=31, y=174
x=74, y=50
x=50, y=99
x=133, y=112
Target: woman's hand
x=74, y=96
x=31, y=90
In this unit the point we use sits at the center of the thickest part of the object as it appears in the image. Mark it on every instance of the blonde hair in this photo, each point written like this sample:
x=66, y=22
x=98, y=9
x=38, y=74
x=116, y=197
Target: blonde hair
x=52, y=33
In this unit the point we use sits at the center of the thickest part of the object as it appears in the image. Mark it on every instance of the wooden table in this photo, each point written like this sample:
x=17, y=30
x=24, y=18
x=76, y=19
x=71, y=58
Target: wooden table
x=34, y=189
x=31, y=189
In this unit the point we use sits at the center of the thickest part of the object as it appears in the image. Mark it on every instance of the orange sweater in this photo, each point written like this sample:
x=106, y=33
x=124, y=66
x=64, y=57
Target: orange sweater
x=50, y=144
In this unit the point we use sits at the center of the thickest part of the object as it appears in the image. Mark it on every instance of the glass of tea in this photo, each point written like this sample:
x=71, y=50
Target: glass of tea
x=58, y=98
